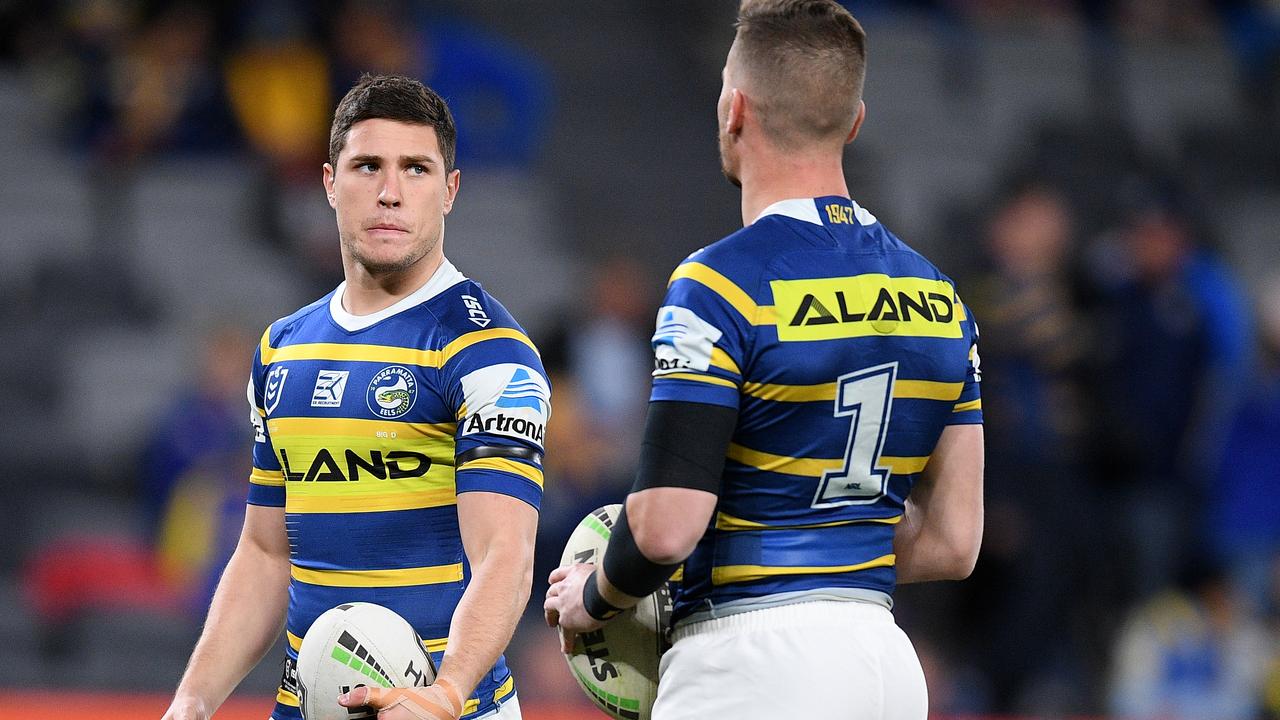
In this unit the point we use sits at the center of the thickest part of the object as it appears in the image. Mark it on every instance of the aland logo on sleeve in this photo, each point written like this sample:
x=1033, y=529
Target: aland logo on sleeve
x=506, y=399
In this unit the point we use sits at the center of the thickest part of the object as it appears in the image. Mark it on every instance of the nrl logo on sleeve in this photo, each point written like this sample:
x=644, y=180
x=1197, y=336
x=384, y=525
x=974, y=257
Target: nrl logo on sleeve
x=683, y=341
x=275, y=387
x=506, y=399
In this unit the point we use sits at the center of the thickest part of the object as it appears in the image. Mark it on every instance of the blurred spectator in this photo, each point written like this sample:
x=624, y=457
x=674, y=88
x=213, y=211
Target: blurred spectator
x=1177, y=346
x=278, y=85
x=194, y=469
x=583, y=473
x=1244, y=517
x=158, y=90
x=497, y=91
x=1033, y=344
x=1191, y=653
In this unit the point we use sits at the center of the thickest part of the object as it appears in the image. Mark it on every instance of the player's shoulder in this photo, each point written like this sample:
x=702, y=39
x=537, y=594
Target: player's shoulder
x=465, y=307
x=290, y=326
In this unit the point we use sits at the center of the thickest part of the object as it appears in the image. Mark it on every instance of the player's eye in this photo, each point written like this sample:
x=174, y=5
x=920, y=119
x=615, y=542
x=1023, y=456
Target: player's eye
x=417, y=169
x=367, y=167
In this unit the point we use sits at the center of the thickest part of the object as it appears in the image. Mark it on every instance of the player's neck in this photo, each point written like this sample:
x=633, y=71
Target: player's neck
x=366, y=293
x=768, y=178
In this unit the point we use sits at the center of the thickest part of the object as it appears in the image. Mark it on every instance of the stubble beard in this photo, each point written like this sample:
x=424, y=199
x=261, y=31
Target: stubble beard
x=381, y=267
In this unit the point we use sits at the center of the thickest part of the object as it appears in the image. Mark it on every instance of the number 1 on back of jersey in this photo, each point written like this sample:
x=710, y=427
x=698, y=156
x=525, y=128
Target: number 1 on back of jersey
x=866, y=397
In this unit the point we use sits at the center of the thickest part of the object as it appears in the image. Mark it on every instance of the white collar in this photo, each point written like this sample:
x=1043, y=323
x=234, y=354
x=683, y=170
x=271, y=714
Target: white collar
x=806, y=210
x=445, y=277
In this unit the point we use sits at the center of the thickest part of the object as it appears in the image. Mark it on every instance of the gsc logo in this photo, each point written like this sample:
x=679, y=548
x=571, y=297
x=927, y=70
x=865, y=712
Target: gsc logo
x=475, y=311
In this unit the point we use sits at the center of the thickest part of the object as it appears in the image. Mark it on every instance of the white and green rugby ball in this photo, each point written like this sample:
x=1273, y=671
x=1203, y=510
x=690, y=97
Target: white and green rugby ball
x=358, y=644
x=617, y=665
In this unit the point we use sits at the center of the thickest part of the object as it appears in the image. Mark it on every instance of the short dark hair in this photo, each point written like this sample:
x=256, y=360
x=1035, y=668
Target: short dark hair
x=806, y=61
x=393, y=97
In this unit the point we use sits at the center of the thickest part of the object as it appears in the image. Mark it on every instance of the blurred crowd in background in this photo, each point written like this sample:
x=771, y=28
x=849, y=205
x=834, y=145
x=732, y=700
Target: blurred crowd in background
x=1102, y=179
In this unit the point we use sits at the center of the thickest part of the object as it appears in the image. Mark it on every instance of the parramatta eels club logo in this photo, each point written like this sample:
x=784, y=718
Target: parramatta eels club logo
x=392, y=392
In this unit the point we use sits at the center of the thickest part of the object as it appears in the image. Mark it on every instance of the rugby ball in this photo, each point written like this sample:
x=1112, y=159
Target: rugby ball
x=358, y=644
x=617, y=665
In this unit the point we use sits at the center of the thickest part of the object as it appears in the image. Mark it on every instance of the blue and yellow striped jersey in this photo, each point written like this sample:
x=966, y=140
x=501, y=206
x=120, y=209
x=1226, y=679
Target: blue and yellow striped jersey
x=845, y=353
x=358, y=424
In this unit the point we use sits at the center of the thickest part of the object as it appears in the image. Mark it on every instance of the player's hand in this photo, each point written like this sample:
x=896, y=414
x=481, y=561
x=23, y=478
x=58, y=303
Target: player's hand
x=438, y=701
x=187, y=708
x=563, y=607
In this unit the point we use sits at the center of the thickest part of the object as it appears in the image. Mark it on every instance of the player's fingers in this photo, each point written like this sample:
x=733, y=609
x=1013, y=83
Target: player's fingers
x=553, y=591
x=559, y=574
x=551, y=612
x=361, y=696
x=566, y=641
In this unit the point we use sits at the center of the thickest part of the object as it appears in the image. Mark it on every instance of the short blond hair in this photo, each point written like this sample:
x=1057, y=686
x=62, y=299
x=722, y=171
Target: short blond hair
x=803, y=63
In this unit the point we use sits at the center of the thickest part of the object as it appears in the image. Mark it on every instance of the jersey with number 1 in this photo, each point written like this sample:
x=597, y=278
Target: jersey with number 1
x=846, y=354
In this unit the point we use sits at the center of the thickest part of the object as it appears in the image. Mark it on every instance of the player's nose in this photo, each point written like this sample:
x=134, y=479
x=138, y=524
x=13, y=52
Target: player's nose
x=390, y=195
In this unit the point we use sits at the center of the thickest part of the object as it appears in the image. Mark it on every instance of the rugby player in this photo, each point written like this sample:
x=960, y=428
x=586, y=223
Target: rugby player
x=814, y=434
x=398, y=425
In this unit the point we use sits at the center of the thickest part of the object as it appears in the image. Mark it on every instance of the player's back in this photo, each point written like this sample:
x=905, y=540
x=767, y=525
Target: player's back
x=846, y=353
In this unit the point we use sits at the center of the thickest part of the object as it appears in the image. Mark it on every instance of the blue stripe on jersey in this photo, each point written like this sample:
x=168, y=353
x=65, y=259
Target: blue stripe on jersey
x=499, y=482
x=381, y=541
x=846, y=353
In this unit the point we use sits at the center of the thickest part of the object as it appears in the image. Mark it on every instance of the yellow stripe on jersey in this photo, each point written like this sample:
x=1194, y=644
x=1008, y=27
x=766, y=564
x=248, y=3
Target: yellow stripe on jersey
x=927, y=390
x=721, y=359
x=338, y=352
x=971, y=405
x=710, y=379
x=814, y=467
x=678, y=575
x=357, y=428
x=389, y=353
x=284, y=697
x=295, y=642
x=272, y=478
x=505, y=688
x=725, y=521
x=826, y=392
x=726, y=574
x=397, y=577
x=370, y=502
x=471, y=338
x=866, y=305
x=528, y=472
x=726, y=289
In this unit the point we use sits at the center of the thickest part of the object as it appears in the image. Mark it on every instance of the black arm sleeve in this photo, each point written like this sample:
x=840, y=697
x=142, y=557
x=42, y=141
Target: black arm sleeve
x=684, y=446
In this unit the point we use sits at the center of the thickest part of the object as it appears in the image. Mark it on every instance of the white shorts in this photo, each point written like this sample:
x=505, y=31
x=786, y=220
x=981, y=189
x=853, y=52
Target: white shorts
x=508, y=710
x=819, y=659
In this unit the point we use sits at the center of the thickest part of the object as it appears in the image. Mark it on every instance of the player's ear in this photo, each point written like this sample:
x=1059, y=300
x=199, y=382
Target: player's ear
x=857, y=122
x=452, y=182
x=737, y=111
x=328, y=186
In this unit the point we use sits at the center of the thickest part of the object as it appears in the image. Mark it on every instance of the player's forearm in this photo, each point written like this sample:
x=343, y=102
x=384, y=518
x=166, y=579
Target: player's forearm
x=922, y=555
x=244, y=620
x=487, y=615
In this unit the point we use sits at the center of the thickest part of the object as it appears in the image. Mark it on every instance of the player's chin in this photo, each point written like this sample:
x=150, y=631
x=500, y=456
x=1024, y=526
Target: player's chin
x=389, y=257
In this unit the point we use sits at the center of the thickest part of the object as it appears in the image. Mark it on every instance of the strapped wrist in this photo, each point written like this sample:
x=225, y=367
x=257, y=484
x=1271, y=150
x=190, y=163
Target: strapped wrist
x=594, y=603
